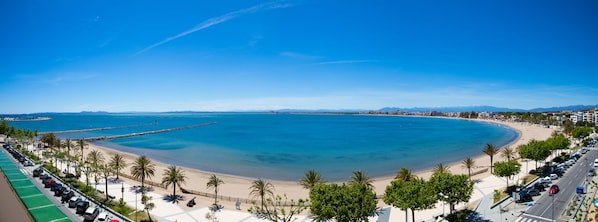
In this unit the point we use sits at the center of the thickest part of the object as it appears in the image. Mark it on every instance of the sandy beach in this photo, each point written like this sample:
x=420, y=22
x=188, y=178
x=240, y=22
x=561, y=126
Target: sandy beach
x=238, y=187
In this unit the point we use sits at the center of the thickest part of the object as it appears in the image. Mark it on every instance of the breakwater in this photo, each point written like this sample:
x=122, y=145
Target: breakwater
x=98, y=129
x=147, y=132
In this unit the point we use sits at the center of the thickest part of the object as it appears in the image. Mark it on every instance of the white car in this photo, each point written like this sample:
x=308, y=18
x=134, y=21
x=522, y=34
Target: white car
x=545, y=180
x=553, y=176
x=103, y=216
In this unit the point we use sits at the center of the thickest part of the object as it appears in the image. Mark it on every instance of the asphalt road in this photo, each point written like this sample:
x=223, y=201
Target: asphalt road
x=574, y=176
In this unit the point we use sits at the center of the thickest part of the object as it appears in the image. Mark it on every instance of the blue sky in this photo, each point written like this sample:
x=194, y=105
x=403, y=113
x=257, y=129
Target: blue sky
x=70, y=56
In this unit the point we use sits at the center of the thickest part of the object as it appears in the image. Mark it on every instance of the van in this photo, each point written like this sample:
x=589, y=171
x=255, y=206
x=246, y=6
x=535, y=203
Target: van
x=91, y=213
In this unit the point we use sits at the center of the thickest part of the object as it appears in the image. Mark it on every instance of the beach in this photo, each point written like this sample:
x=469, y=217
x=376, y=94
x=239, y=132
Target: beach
x=237, y=187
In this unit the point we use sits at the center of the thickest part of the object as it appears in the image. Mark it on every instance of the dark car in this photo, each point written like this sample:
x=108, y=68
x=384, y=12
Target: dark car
x=59, y=190
x=54, y=186
x=82, y=206
x=73, y=201
x=539, y=186
x=524, y=198
x=66, y=195
x=554, y=189
x=533, y=191
x=44, y=177
x=38, y=172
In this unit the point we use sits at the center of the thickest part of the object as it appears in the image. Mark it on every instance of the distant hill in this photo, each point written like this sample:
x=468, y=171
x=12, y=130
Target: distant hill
x=487, y=109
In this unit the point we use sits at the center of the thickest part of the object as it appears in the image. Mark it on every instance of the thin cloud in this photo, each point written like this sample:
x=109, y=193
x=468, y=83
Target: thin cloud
x=219, y=19
x=344, y=62
x=297, y=55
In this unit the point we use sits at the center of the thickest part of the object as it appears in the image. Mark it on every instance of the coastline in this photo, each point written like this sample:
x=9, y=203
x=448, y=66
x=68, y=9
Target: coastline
x=238, y=186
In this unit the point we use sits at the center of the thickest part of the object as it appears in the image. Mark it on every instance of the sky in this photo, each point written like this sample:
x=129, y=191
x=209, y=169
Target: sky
x=236, y=55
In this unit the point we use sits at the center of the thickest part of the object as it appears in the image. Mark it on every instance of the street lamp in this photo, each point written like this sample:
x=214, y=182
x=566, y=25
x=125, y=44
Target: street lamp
x=122, y=191
x=135, y=204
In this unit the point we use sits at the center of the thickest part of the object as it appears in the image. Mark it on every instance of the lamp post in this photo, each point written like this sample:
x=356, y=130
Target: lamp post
x=135, y=205
x=122, y=191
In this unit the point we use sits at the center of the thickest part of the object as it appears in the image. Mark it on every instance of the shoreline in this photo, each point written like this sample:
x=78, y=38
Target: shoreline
x=238, y=186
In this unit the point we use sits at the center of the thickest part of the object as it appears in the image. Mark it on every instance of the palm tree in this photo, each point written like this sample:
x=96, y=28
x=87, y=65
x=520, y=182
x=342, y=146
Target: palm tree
x=468, y=163
x=261, y=188
x=142, y=168
x=106, y=171
x=95, y=159
x=68, y=143
x=173, y=175
x=214, y=182
x=508, y=153
x=117, y=162
x=440, y=169
x=81, y=144
x=360, y=177
x=490, y=150
x=311, y=179
x=405, y=174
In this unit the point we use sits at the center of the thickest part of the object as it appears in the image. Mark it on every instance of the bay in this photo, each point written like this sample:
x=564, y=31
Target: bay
x=284, y=146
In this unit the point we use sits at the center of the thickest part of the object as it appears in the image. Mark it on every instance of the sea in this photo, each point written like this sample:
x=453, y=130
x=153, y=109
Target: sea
x=283, y=146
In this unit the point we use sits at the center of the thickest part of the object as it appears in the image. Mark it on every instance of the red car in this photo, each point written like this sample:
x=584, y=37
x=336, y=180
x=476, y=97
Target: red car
x=554, y=189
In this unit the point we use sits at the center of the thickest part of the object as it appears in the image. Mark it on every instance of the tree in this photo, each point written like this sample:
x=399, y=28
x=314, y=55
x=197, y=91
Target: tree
x=490, y=150
x=581, y=132
x=567, y=127
x=68, y=143
x=355, y=202
x=81, y=144
x=95, y=159
x=105, y=171
x=214, y=183
x=279, y=209
x=452, y=189
x=508, y=153
x=441, y=168
x=310, y=179
x=468, y=163
x=405, y=174
x=538, y=150
x=416, y=194
x=173, y=175
x=142, y=168
x=507, y=169
x=117, y=162
x=360, y=177
x=147, y=203
x=261, y=188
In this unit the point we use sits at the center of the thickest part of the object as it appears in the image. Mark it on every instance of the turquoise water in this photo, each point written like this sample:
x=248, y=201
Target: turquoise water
x=284, y=146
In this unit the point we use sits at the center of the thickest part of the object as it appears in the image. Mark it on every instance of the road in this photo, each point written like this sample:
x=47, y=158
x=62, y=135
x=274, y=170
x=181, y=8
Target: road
x=542, y=210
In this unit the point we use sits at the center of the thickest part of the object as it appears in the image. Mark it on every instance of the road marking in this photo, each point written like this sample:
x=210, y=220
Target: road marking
x=44, y=206
x=537, y=217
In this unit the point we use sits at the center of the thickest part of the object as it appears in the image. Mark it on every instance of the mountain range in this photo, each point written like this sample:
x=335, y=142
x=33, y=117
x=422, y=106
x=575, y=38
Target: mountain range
x=489, y=109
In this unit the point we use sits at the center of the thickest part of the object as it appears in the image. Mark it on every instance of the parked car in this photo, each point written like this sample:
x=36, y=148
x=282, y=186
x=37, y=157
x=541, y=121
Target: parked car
x=38, y=172
x=73, y=201
x=533, y=191
x=59, y=190
x=554, y=189
x=91, y=213
x=103, y=217
x=591, y=172
x=539, y=186
x=524, y=198
x=554, y=176
x=48, y=182
x=54, y=186
x=43, y=177
x=81, y=206
x=545, y=180
x=66, y=195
